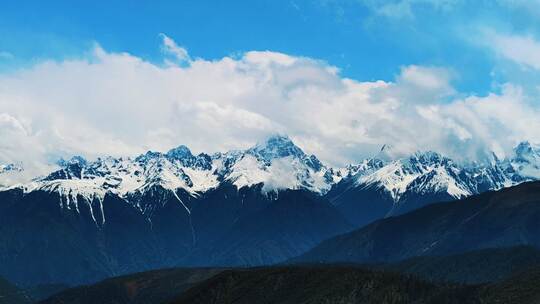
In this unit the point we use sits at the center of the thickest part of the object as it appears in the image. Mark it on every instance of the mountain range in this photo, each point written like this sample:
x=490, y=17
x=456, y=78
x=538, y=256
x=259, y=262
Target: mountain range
x=398, y=185
x=90, y=220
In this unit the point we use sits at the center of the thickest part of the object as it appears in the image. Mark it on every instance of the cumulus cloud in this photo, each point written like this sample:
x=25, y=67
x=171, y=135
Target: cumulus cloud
x=119, y=104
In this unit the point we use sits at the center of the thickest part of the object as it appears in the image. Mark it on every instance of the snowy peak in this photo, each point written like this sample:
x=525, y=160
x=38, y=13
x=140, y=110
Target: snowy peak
x=149, y=155
x=526, y=162
x=72, y=169
x=125, y=175
x=279, y=147
x=439, y=180
x=75, y=160
x=276, y=147
x=527, y=153
x=185, y=158
x=420, y=173
x=430, y=173
x=180, y=152
x=367, y=166
x=278, y=163
x=427, y=159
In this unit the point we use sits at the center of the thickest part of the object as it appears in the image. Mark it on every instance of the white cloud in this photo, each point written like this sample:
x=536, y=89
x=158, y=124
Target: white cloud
x=431, y=78
x=476, y=125
x=524, y=50
x=118, y=104
x=170, y=47
x=400, y=9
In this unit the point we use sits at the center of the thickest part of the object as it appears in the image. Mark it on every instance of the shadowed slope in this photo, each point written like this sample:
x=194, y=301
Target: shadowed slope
x=504, y=218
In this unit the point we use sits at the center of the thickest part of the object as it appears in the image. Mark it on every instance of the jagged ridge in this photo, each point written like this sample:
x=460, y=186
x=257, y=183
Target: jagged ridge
x=279, y=164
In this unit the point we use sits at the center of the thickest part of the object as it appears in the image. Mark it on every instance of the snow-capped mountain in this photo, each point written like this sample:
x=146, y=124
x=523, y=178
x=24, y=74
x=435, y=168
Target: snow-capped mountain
x=526, y=162
x=275, y=164
x=425, y=172
x=404, y=184
x=278, y=164
x=256, y=206
x=118, y=215
x=398, y=185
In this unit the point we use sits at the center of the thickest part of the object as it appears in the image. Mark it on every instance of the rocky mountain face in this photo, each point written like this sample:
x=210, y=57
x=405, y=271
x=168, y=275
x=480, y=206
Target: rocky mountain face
x=94, y=219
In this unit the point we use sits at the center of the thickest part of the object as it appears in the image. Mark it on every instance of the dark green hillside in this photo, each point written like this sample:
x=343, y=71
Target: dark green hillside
x=324, y=284
x=480, y=266
x=140, y=288
x=10, y=294
x=523, y=288
x=297, y=285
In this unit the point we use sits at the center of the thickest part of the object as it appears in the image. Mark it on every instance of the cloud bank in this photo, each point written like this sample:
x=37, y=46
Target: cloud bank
x=119, y=104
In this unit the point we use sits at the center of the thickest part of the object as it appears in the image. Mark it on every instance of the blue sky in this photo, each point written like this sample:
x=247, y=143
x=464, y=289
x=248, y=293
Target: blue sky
x=341, y=78
x=351, y=34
